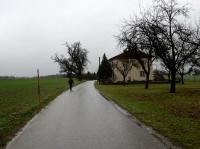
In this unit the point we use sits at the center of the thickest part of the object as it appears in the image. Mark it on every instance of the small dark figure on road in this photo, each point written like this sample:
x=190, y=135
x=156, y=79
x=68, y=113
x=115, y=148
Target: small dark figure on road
x=71, y=82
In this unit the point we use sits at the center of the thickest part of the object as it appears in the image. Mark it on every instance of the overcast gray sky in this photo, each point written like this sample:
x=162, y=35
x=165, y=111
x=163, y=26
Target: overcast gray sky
x=31, y=31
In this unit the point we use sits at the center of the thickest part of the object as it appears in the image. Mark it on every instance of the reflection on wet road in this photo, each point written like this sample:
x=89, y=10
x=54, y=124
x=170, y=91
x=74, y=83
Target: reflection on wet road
x=83, y=119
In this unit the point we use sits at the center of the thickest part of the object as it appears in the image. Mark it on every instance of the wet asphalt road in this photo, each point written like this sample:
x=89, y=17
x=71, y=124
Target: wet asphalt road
x=83, y=119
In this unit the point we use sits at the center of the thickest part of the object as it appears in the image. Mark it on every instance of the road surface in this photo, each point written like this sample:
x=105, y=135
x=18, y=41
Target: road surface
x=83, y=119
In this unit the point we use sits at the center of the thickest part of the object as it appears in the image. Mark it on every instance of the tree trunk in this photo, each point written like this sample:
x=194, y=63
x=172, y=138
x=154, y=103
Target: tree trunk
x=182, y=78
x=124, y=80
x=173, y=82
x=169, y=76
x=173, y=67
x=147, y=81
x=79, y=75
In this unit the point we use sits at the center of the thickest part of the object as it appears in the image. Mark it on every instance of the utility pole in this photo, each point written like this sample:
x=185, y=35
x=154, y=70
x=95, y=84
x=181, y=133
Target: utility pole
x=38, y=81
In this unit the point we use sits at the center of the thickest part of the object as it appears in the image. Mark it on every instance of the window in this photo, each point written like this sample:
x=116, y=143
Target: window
x=142, y=74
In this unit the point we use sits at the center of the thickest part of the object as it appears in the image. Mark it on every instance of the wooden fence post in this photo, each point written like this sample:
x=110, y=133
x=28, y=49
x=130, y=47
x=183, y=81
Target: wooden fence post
x=38, y=80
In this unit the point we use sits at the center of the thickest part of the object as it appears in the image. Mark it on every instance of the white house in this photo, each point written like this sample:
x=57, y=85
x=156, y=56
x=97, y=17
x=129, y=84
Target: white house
x=135, y=73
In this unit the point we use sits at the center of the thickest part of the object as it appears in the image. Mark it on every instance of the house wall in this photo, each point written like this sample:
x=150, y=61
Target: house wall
x=133, y=75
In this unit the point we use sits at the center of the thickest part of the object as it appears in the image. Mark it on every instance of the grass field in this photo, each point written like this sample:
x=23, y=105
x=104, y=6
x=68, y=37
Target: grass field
x=19, y=102
x=192, y=78
x=176, y=116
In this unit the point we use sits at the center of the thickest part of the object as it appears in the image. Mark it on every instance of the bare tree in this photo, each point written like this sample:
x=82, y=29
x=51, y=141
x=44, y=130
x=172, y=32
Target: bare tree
x=75, y=61
x=124, y=66
x=160, y=32
x=195, y=60
x=167, y=71
x=135, y=36
x=190, y=65
x=174, y=42
x=183, y=70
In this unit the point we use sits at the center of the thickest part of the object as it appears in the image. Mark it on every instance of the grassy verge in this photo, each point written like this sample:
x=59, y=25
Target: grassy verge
x=19, y=102
x=176, y=116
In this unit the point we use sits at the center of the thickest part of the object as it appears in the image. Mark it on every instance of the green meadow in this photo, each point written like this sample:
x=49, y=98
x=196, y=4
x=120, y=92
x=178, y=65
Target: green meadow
x=19, y=102
x=175, y=116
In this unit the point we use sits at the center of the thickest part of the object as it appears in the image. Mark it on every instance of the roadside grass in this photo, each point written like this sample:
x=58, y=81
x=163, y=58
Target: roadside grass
x=19, y=102
x=176, y=116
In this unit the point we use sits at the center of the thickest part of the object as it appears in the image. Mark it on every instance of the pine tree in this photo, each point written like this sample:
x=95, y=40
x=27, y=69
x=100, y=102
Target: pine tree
x=105, y=70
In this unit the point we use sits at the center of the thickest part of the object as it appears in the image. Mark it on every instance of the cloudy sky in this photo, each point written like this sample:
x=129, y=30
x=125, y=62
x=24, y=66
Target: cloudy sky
x=31, y=31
